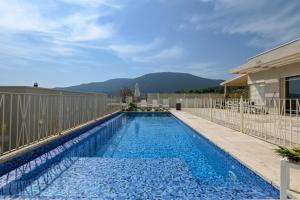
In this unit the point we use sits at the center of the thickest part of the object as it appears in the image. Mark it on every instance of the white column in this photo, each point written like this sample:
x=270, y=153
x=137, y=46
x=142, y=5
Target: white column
x=285, y=167
x=283, y=179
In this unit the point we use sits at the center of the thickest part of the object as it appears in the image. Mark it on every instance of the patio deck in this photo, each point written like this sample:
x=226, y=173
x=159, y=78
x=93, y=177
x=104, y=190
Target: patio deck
x=256, y=154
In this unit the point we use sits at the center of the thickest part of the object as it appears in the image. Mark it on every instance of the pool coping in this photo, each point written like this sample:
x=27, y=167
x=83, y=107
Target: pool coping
x=14, y=159
x=291, y=193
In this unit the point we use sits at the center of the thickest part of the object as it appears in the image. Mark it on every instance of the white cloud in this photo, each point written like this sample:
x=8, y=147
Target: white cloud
x=169, y=53
x=20, y=17
x=129, y=50
x=269, y=23
x=147, y=52
x=61, y=32
x=65, y=27
x=38, y=34
x=84, y=27
x=78, y=25
x=166, y=54
x=53, y=27
x=95, y=3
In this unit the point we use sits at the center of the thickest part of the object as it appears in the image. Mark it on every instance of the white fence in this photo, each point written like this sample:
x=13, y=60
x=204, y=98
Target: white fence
x=276, y=120
x=26, y=118
x=176, y=97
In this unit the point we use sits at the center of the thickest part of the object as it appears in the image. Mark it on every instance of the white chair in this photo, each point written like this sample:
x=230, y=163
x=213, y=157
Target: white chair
x=166, y=104
x=155, y=103
x=144, y=103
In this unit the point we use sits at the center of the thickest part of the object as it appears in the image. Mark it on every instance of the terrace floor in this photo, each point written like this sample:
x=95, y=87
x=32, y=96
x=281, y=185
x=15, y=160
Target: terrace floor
x=256, y=154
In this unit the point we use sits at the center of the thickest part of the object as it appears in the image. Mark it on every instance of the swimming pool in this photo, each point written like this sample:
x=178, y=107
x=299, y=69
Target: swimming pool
x=137, y=155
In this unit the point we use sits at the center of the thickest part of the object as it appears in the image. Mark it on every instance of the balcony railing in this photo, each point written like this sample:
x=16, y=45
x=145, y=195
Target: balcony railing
x=275, y=120
x=27, y=118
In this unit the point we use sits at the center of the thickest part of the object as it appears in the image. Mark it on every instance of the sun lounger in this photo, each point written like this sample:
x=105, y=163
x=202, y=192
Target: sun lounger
x=144, y=103
x=155, y=103
x=166, y=104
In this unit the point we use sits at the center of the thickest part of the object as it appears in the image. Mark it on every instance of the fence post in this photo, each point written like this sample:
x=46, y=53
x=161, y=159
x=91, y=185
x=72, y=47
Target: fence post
x=111, y=104
x=241, y=114
x=210, y=108
x=95, y=106
x=60, y=112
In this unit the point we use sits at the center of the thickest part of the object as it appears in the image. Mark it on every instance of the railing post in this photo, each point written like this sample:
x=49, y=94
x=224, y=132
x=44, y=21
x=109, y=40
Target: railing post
x=241, y=114
x=210, y=108
x=60, y=113
x=121, y=104
x=111, y=104
x=95, y=106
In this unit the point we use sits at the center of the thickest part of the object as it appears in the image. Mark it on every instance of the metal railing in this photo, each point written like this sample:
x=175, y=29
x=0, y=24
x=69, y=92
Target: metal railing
x=276, y=120
x=26, y=118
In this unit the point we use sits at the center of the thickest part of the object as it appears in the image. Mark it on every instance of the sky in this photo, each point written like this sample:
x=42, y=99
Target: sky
x=69, y=42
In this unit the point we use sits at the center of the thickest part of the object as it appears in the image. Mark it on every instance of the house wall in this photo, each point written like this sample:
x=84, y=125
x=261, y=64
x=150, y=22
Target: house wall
x=271, y=83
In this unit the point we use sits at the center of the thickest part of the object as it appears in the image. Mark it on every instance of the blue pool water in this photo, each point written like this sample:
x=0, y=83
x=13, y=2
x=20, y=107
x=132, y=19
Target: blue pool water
x=137, y=156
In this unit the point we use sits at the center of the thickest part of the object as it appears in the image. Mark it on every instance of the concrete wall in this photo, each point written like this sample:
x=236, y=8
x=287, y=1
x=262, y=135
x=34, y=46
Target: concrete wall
x=273, y=81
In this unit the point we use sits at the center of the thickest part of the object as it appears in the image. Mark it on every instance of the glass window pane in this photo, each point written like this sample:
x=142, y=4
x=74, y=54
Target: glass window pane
x=293, y=87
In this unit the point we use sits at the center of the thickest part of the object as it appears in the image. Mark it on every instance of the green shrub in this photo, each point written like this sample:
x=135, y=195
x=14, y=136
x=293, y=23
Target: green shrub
x=292, y=154
x=132, y=107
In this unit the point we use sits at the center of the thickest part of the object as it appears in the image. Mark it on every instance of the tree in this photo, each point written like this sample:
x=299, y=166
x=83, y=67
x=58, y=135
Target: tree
x=124, y=92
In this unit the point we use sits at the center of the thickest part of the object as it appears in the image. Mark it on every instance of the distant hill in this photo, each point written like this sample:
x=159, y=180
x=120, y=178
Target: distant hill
x=149, y=83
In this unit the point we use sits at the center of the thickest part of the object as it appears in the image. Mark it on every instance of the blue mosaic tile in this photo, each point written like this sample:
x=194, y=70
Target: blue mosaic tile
x=117, y=178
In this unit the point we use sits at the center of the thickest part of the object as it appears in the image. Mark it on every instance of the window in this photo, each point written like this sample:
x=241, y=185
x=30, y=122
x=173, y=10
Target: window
x=292, y=93
x=293, y=87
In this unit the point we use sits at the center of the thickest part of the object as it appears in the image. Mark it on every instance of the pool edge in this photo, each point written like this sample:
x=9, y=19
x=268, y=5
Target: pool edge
x=227, y=152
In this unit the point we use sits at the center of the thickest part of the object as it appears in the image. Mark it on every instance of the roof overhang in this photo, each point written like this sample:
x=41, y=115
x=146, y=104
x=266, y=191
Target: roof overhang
x=241, y=80
x=280, y=56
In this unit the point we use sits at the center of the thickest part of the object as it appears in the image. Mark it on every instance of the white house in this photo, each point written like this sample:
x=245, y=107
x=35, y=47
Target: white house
x=271, y=74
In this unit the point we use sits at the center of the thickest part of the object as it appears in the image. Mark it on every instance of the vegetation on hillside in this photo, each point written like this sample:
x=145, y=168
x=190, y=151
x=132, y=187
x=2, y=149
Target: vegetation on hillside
x=232, y=92
x=217, y=89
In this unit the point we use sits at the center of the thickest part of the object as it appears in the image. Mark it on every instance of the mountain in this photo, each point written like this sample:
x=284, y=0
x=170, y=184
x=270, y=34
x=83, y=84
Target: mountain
x=149, y=83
